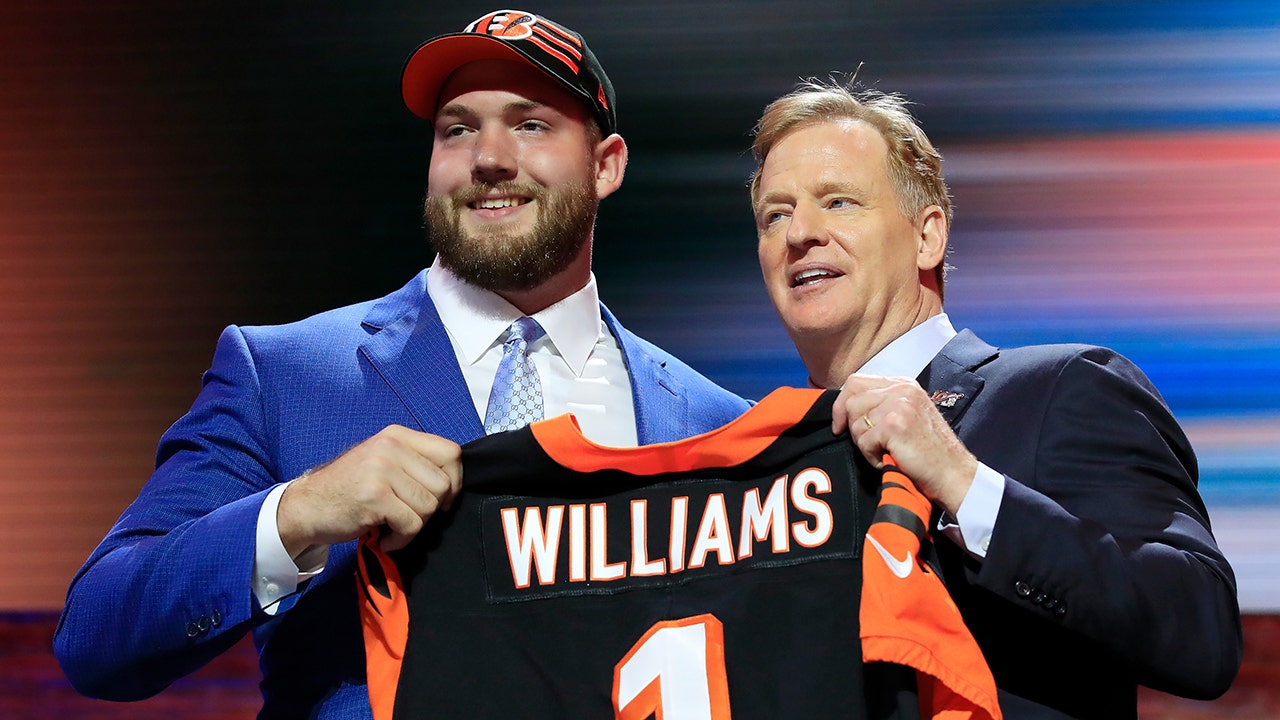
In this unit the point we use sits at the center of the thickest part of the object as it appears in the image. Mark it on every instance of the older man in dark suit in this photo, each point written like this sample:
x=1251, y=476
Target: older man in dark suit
x=1081, y=555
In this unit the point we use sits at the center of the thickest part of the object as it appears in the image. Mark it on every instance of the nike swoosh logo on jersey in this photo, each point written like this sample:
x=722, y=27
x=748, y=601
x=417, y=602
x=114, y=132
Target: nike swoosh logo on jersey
x=901, y=568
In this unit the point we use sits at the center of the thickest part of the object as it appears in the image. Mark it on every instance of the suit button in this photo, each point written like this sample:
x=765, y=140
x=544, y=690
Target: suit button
x=192, y=629
x=203, y=623
x=1060, y=609
x=1038, y=598
x=215, y=619
x=1023, y=589
x=1050, y=604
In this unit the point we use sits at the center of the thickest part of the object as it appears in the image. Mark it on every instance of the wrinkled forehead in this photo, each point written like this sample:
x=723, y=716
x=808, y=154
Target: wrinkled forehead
x=836, y=145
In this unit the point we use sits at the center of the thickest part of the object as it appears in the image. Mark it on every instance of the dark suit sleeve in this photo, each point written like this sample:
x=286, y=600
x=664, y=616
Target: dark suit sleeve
x=1108, y=536
x=170, y=586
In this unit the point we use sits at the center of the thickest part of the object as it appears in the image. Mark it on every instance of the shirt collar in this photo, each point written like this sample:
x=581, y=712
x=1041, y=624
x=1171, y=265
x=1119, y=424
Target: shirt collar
x=477, y=319
x=911, y=353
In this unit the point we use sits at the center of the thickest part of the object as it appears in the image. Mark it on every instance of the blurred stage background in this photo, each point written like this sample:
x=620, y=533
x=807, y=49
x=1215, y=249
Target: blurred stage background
x=169, y=168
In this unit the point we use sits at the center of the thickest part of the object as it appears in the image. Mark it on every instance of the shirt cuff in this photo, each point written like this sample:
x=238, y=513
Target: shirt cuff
x=976, y=518
x=275, y=574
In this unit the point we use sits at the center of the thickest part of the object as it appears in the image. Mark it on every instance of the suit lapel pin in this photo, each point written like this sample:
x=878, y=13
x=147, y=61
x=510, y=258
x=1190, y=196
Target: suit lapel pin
x=944, y=399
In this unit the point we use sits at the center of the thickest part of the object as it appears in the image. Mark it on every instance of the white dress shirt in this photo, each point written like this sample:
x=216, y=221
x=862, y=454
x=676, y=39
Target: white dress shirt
x=908, y=356
x=579, y=363
x=578, y=359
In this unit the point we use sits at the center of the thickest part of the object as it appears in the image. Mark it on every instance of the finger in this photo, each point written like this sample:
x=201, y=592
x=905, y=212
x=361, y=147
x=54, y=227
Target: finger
x=859, y=412
x=398, y=499
x=872, y=451
x=852, y=403
x=886, y=460
x=858, y=382
x=858, y=396
x=440, y=478
x=402, y=524
x=840, y=413
x=424, y=486
x=864, y=431
x=453, y=473
x=441, y=453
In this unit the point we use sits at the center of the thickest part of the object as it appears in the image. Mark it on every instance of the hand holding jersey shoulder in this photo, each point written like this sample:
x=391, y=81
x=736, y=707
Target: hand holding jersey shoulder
x=901, y=419
x=394, y=481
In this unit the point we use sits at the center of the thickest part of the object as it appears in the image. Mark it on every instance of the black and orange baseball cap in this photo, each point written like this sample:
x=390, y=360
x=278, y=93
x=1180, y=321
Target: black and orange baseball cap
x=510, y=35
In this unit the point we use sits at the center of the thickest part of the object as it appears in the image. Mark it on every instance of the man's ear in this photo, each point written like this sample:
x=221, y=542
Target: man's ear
x=931, y=236
x=611, y=165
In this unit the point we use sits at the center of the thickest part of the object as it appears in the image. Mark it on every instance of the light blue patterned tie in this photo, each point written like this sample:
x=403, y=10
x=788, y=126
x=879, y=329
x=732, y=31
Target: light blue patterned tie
x=516, y=398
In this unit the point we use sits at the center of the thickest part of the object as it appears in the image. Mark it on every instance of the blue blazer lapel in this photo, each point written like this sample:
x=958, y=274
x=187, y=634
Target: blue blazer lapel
x=950, y=378
x=661, y=406
x=409, y=348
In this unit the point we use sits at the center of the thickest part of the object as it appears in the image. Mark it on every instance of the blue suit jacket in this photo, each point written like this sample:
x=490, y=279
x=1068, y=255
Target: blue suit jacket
x=1102, y=572
x=170, y=586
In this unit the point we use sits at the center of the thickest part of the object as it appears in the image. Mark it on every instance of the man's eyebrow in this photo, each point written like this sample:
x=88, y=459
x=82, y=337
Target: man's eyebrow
x=829, y=187
x=456, y=109
x=524, y=105
x=839, y=187
x=774, y=196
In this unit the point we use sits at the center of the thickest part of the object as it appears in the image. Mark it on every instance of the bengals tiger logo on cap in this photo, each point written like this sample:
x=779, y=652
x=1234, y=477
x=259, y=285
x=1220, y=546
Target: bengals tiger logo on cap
x=563, y=45
x=511, y=24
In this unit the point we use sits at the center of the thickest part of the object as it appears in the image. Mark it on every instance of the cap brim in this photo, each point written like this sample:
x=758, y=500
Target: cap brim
x=434, y=61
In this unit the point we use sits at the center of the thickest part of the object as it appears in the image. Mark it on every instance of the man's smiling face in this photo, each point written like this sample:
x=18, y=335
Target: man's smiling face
x=511, y=194
x=836, y=251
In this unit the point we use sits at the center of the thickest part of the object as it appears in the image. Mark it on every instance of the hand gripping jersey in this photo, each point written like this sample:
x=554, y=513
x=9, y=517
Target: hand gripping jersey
x=760, y=571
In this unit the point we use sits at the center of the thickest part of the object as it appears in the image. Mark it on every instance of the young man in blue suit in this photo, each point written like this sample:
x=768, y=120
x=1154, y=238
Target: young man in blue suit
x=307, y=436
x=1078, y=548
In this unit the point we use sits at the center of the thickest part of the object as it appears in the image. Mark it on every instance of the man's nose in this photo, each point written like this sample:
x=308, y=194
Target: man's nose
x=494, y=157
x=805, y=226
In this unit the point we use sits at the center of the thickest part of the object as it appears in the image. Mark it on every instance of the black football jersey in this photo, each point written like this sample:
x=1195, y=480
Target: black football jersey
x=710, y=578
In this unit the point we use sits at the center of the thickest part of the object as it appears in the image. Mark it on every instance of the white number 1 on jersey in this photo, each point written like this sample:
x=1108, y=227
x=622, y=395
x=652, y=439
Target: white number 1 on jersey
x=675, y=671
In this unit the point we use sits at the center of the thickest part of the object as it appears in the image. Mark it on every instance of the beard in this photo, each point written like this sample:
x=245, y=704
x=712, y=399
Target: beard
x=504, y=261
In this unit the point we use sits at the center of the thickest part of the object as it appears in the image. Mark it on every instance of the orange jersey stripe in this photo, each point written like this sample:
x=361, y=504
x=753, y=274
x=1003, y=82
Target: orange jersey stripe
x=733, y=444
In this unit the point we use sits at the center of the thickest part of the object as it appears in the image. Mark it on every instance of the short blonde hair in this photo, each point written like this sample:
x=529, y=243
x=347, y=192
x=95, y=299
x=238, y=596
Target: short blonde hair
x=915, y=166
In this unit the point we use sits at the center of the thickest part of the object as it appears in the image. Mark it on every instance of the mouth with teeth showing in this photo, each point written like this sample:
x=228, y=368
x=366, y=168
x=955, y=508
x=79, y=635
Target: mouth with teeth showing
x=812, y=276
x=497, y=203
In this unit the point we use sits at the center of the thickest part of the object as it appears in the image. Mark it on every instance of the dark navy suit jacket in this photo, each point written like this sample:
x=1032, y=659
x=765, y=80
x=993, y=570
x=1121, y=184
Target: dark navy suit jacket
x=1102, y=572
x=170, y=586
